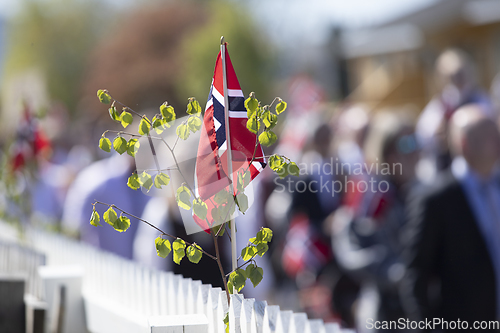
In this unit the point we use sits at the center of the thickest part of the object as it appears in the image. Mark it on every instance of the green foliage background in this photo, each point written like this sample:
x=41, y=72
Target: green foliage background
x=55, y=37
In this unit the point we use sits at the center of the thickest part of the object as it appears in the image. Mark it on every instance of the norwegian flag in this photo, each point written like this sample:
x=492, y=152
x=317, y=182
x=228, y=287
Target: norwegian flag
x=211, y=165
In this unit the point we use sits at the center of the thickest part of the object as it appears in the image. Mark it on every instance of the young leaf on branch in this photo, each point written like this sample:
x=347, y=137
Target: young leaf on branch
x=157, y=125
x=167, y=112
x=255, y=274
x=281, y=106
x=253, y=124
x=200, y=208
x=182, y=131
x=120, y=145
x=103, y=96
x=132, y=147
x=238, y=279
x=242, y=201
x=183, y=197
x=94, y=218
x=251, y=104
x=161, y=179
x=145, y=180
x=126, y=118
x=114, y=114
x=163, y=247
x=133, y=181
x=144, y=126
x=267, y=138
x=193, y=106
x=179, y=247
x=193, y=253
x=110, y=216
x=194, y=123
x=105, y=144
x=121, y=224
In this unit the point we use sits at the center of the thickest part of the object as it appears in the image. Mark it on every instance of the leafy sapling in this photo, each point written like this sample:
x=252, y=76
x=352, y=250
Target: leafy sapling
x=212, y=214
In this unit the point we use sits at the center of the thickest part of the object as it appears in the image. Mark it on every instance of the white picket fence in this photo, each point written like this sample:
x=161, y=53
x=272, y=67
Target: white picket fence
x=122, y=296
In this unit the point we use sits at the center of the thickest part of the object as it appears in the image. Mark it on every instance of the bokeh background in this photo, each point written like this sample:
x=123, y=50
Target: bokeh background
x=321, y=56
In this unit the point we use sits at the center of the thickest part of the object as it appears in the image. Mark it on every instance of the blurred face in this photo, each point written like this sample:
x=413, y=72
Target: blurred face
x=406, y=153
x=482, y=146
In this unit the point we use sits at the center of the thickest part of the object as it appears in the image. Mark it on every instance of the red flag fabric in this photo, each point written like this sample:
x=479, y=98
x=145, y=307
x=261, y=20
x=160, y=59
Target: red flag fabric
x=211, y=174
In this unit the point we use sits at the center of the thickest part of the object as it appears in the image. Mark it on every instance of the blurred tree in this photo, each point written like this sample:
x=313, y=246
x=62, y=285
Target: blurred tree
x=250, y=55
x=166, y=51
x=54, y=37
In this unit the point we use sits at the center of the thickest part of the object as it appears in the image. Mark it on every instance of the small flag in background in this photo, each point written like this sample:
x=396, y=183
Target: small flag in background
x=211, y=174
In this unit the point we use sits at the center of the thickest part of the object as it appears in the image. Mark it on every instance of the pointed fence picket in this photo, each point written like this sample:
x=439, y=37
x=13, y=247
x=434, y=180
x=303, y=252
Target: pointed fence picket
x=124, y=296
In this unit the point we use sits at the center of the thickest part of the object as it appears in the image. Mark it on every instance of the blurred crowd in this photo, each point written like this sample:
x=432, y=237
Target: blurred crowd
x=392, y=217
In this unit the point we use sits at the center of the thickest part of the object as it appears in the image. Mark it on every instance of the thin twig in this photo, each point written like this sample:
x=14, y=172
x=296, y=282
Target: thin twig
x=151, y=225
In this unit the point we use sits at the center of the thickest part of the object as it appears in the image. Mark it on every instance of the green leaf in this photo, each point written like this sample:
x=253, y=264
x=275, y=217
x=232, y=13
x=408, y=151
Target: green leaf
x=120, y=145
x=253, y=124
x=194, y=123
x=193, y=253
x=223, y=197
x=243, y=180
x=218, y=227
x=283, y=171
x=249, y=269
x=262, y=249
x=248, y=252
x=132, y=147
x=167, y=112
x=122, y=224
x=144, y=126
x=145, y=180
x=276, y=162
x=94, y=219
x=256, y=275
x=200, y=208
x=193, y=106
x=133, y=181
x=183, y=197
x=267, y=138
x=230, y=288
x=265, y=235
x=179, y=247
x=110, y=216
x=226, y=318
x=126, y=118
x=281, y=106
x=103, y=96
x=105, y=144
x=157, y=125
x=238, y=280
x=242, y=201
x=161, y=179
x=114, y=114
x=216, y=216
x=251, y=104
x=182, y=131
x=293, y=169
x=227, y=210
x=270, y=120
x=163, y=247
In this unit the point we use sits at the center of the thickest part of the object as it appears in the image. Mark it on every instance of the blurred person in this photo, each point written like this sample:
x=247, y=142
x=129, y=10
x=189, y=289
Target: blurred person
x=456, y=76
x=366, y=234
x=306, y=253
x=453, y=252
x=105, y=181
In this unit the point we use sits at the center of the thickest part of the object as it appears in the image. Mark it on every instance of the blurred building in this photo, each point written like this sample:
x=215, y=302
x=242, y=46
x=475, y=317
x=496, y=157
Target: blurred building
x=392, y=64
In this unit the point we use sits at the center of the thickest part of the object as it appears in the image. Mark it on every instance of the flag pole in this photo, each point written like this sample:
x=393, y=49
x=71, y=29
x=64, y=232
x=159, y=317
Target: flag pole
x=229, y=153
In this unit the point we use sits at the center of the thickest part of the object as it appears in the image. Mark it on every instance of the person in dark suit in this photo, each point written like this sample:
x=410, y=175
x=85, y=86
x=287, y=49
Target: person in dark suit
x=453, y=257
